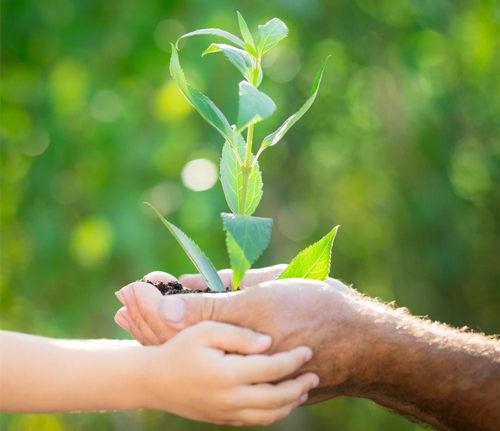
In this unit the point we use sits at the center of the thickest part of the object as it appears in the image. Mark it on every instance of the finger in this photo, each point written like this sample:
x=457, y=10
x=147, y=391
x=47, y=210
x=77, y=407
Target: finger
x=124, y=313
x=121, y=319
x=269, y=368
x=127, y=294
x=134, y=331
x=148, y=301
x=156, y=277
x=268, y=396
x=266, y=417
x=251, y=278
x=196, y=281
x=230, y=338
x=181, y=311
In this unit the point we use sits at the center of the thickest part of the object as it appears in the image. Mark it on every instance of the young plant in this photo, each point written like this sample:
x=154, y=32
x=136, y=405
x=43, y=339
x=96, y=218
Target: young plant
x=247, y=236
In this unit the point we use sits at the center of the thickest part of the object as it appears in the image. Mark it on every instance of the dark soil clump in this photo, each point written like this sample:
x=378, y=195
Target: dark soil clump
x=175, y=288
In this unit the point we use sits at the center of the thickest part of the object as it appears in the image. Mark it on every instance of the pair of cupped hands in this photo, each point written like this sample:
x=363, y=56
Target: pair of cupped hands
x=243, y=358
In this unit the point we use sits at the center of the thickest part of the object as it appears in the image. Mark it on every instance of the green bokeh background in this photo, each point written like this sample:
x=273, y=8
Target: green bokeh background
x=401, y=149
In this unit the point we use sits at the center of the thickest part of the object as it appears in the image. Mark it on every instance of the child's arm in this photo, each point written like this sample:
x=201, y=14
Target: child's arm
x=192, y=375
x=45, y=374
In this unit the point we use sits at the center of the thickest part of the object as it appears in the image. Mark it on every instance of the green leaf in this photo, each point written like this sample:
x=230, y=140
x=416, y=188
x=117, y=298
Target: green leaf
x=270, y=34
x=246, y=34
x=213, y=32
x=254, y=105
x=246, y=238
x=314, y=261
x=275, y=137
x=231, y=177
x=238, y=57
x=207, y=109
x=199, y=259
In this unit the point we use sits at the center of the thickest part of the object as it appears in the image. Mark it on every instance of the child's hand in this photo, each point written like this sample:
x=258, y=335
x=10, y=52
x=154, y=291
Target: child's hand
x=203, y=373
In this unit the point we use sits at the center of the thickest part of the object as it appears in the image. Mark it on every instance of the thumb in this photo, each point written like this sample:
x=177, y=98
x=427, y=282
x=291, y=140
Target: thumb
x=181, y=311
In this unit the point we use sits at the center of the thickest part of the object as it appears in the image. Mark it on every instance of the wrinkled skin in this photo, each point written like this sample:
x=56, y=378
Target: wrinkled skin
x=361, y=347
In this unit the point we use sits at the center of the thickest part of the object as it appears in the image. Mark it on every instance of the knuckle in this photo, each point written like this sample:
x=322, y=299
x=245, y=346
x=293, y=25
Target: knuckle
x=279, y=401
x=229, y=377
x=276, y=367
x=208, y=309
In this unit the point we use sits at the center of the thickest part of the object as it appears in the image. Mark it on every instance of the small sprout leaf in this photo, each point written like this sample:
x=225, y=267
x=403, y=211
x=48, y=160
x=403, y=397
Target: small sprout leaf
x=246, y=34
x=275, y=137
x=231, y=177
x=314, y=261
x=206, y=108
x=197, y=257
x=238, y=57
x=270, y=34
x=213, y=32
x=254, y=105
x=246, y=238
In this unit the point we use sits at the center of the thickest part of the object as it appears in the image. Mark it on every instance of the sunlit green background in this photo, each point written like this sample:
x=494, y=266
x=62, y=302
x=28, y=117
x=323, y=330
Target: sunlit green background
x=401, y=149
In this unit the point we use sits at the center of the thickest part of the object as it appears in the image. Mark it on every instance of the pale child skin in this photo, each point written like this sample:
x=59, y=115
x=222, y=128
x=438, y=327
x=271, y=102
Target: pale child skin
x=211, y=372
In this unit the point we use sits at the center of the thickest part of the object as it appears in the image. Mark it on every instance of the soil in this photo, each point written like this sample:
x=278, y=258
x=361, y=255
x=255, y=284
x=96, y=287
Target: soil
x=175, y=288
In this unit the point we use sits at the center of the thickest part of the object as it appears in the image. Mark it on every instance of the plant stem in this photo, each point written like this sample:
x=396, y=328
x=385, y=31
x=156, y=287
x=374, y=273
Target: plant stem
x=247, y=168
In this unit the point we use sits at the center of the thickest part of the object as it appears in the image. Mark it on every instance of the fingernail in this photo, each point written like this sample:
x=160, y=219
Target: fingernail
x=303, y=398
x=119, y=295
x=308, y=354
x=172, y=309
x=315, y=382
x=121, y=321
x=264, y=340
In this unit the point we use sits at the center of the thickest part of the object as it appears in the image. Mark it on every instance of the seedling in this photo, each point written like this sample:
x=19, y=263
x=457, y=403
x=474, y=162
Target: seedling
x=247, y=236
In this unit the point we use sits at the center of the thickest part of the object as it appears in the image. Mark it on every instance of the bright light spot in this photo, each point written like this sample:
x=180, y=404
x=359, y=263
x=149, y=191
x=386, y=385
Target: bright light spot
x=282, y=64
x=166, y=31
x=166, y=197
x=91, y=241
x=69, y=86
x=37, y=143
x=170, y=104
x=37, y=422
x=106, y=106
x=297, y=221
x=199, y=175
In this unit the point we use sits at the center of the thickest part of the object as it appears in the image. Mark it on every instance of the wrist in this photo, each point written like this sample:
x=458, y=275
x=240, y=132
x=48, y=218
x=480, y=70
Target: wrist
x=128, y=385
x=362, y=342
x=153, y=378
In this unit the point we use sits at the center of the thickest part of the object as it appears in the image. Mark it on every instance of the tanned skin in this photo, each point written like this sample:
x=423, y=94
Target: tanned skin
x=444, y=377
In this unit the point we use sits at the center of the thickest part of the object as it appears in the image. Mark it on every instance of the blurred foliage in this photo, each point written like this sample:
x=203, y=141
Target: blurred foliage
x=402, y=148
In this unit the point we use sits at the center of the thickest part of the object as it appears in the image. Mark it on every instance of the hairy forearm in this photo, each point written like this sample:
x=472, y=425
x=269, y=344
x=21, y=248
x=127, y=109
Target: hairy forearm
x=40, y=374
x=442, y=376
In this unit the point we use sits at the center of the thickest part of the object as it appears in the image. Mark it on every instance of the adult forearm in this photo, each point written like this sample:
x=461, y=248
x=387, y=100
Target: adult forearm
x=444, y=377
x=43, y=374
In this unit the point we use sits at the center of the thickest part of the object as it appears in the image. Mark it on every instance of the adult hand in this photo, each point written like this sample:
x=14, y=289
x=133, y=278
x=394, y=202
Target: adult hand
x=293, y=312
x=442, y=376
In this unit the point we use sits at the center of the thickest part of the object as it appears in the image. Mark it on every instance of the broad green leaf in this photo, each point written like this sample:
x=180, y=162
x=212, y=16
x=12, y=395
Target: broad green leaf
x=275, y=137
x=207, y=109
x=214, y=32
x=231, y=177
x=246, y=238
x=314, y=261
x=270, y=34
x=199, y=259
x=254, y=105
x=238, y=57
x=246, y=34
